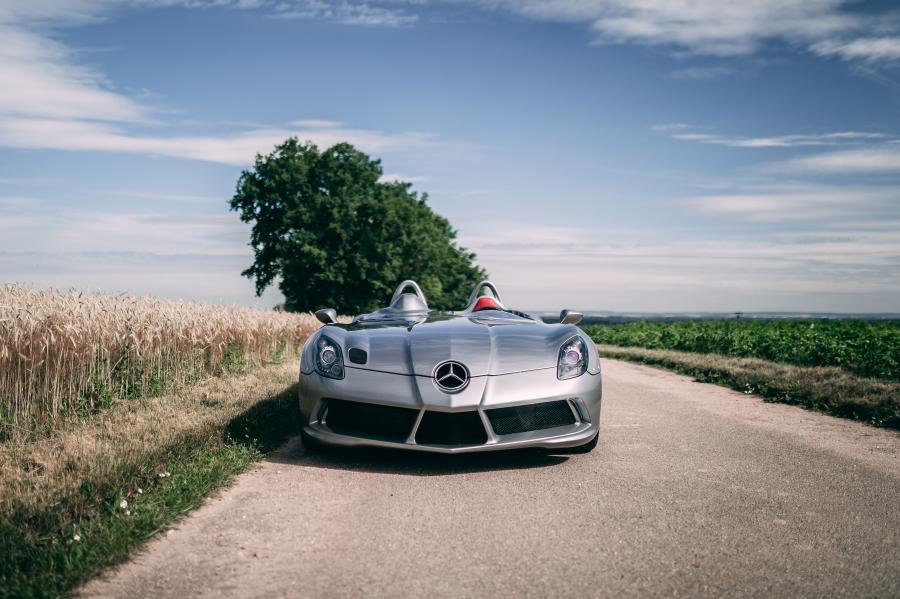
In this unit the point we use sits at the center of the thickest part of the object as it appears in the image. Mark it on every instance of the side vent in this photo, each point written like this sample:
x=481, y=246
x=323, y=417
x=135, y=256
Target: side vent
x=358, y=356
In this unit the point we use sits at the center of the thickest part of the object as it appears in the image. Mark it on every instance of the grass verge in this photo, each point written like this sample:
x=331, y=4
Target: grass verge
x=826, y=389
x=86, y=497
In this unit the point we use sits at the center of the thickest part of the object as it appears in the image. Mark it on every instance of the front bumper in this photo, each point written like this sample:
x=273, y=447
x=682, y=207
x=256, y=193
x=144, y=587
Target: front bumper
x=546, y=412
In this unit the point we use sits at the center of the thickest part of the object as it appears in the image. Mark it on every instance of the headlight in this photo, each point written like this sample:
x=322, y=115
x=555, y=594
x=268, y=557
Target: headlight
x=329, y=361
x=573, y=358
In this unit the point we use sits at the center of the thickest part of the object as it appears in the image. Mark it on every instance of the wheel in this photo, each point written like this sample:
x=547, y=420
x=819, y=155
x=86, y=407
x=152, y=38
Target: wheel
x=586, y=448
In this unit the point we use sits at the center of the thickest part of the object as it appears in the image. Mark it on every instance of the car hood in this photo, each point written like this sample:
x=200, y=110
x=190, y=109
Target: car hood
x=486, y=346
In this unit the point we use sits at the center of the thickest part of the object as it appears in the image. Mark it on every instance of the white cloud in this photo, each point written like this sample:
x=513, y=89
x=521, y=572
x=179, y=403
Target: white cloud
x=882, y=159
x=725, y=28
x=863, y=151
x=806, y=203
x=868, y=49
x=187, y=254
x=671, y=127
x=211, y=278
x=395, y=177
x=684, y=133
x=73, y=231
x=11, y=202
x=316, y=124
x=695, y=73
x=846, y=268
x=179, y=198
x=51, y=102
x=40, y=80
x=722, y=28
x=54, y=11
x=347, y=13
x=237, y=149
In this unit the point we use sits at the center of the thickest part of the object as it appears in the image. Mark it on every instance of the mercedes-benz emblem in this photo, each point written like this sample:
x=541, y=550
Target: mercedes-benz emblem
x=451, y=376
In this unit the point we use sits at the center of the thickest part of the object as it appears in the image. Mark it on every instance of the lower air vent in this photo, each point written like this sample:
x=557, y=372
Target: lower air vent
x=446, y=428
x=370, y=420
x=534, y=417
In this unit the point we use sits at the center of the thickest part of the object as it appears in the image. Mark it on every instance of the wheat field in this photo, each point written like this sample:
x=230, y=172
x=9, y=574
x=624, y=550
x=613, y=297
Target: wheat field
x=66, y=353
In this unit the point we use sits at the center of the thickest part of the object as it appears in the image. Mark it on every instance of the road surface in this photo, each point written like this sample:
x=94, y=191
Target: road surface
x=693, y=491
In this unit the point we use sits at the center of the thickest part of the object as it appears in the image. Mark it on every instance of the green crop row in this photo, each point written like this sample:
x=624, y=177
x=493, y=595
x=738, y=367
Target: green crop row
x=867, y=348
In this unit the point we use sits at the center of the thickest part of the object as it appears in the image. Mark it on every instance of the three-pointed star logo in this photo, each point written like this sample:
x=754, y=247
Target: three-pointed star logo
x=451, y=376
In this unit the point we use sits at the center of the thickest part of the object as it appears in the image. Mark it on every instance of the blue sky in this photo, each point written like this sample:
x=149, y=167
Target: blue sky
x=661, y=155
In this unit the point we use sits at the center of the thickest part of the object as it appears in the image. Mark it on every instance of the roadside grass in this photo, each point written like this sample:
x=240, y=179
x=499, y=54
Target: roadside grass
x=824, y=388
x=87, y=495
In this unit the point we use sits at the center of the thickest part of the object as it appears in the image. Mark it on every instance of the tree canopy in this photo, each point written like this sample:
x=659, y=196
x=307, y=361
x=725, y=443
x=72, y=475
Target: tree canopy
x=332, y=235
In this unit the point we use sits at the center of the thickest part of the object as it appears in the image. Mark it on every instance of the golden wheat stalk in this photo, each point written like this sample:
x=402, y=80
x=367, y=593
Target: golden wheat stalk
x=62, y=353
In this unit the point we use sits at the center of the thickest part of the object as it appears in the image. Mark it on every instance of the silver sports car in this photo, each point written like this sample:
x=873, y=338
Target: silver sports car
x=481, y=379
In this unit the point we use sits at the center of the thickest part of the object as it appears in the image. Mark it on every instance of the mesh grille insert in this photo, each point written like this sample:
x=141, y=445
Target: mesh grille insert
x=367, y=420
x=534, y=417
x=446, y=428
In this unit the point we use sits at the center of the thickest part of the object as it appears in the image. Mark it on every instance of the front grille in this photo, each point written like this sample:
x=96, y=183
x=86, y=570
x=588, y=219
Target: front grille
x=362, y=419
x=533, y=417
x=451, y=428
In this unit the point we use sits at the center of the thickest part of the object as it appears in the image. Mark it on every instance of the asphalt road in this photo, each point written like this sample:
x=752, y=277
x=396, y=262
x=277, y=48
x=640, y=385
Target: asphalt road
x=693, y=491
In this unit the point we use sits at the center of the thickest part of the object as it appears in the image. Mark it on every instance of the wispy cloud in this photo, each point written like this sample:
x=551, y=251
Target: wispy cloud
x=375, y=13
x=388, y=13
x=396, y=177
x=882, y=159
x=18, y=202
x=237, y=149
x=51, y=102
x=759, y=272
x=166, y=197
x=157, y=232
x=860, y=152
x=696, y=73
x=726, y=29
x=854, y=153
x=195, y=276
x=671, y=127
x=40, y=80
x=869, y=49
x=707, y=28
x=712, y=28
x=835, y=138
x=806, y=203
x=316, y=124
x=347, y=13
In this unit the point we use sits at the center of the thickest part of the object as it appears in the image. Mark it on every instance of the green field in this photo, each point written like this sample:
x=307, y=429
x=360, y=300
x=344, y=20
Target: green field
x=866, y=348
x=848, y=368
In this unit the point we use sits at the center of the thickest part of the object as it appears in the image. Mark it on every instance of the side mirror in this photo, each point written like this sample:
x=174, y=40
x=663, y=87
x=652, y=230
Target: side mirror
x=570, y=317
x=327, y=315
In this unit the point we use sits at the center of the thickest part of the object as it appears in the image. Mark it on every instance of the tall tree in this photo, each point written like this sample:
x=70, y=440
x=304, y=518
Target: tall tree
x=332, y=234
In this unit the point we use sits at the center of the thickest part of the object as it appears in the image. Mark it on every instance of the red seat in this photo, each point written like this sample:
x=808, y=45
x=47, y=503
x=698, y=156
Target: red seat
x=486, y=303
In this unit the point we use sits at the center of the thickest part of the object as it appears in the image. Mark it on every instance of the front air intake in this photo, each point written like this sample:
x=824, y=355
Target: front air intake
x=451, y=428
x=533, y=417
x=367, y=420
